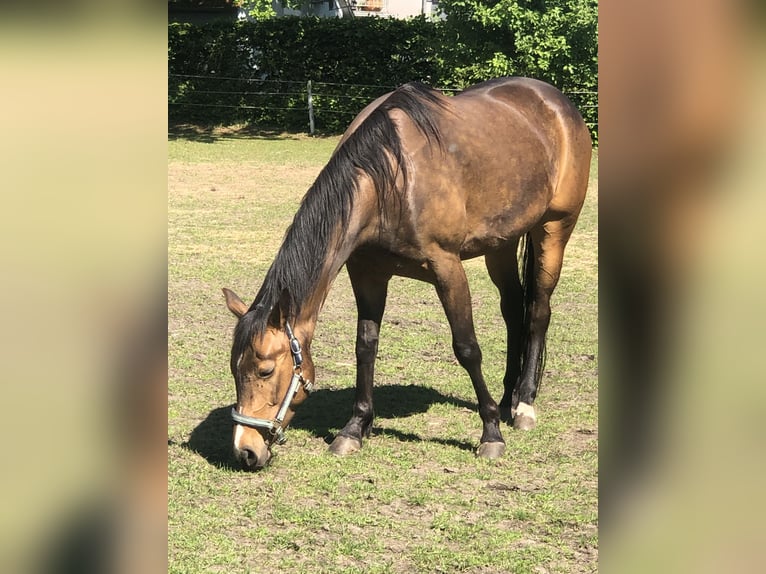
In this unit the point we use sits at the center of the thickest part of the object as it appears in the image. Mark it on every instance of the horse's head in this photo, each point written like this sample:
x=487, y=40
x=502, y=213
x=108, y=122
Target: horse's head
x=273, y=374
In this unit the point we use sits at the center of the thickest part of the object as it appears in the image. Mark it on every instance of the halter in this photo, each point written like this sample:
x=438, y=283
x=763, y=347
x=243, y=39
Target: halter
x=274, y=426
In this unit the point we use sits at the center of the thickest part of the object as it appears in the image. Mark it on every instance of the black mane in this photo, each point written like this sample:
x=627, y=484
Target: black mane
x=328, y=203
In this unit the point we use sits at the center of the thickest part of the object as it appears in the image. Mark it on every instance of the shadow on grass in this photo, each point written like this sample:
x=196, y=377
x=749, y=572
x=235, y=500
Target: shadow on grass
x=325, y=411
x=212, y=133
x=212, y=439
x=410, y=437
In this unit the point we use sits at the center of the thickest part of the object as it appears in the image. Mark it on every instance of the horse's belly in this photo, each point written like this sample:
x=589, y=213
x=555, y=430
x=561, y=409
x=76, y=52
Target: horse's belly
x=493, y=235
x=496, y=216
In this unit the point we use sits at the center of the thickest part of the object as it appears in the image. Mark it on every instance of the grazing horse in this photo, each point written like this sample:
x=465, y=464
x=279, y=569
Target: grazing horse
x=419, y=182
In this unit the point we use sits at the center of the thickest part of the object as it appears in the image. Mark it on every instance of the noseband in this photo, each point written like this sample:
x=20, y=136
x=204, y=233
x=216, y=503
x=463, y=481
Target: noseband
x=274, y=426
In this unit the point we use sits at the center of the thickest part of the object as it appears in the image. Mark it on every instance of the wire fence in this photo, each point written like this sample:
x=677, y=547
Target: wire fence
x=296, y=105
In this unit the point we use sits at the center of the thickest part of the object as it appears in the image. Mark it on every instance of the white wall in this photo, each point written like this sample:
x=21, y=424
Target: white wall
x=389, y=9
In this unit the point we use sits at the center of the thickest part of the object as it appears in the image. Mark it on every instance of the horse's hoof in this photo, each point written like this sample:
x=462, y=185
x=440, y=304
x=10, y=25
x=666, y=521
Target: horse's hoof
x=343, y=445
x=521, y=422
x=491, y=450
x=524, y=418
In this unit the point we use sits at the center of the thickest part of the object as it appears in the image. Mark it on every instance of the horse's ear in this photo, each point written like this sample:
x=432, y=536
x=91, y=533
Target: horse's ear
x=234, y=303
x=280, y=312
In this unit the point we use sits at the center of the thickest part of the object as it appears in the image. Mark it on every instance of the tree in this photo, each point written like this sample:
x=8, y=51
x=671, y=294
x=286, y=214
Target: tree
x=262, y=9
x=554, y=40
x=257, y=9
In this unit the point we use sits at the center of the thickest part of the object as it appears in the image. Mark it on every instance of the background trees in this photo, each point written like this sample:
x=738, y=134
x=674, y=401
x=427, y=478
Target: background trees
x=267, y=62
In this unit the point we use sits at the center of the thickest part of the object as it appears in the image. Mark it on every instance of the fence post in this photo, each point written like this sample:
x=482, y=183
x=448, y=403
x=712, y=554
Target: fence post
x=311, y=109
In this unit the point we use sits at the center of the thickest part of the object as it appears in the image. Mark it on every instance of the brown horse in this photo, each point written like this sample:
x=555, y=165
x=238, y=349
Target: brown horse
x=418, y=183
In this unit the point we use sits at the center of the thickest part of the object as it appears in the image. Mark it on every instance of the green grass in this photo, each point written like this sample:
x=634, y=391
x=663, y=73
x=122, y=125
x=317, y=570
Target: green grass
x=415, y=499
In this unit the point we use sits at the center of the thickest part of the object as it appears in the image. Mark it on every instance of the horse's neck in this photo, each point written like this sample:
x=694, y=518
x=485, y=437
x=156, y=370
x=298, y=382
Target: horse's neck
x=311, y=308
x=348, y=240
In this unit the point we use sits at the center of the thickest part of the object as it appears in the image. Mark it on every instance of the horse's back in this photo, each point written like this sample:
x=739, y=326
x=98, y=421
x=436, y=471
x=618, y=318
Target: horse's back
x=527, y=95
x=527, y=112
x=507, y=146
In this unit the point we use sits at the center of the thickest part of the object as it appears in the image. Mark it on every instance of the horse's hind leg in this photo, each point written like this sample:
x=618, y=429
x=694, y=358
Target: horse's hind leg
x=452, y=287
x=370, y=287
x=504, y=272
x=546, y=243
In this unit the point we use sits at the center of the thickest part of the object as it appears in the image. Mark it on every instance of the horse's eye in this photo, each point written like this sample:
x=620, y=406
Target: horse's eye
x=265, y=372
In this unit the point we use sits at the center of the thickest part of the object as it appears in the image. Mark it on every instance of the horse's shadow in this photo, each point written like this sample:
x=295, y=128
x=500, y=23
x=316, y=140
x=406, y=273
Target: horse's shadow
x=324, y=411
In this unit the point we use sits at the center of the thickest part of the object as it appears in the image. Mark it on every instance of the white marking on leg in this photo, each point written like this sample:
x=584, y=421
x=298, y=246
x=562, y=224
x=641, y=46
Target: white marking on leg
x=525, y=410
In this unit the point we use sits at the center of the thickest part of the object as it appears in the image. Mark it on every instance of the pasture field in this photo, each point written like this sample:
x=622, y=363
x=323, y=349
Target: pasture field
x=415, y=499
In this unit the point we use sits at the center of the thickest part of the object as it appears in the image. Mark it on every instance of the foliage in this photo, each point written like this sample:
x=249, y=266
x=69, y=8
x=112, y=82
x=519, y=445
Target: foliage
x=258, y=9
x=554, y=40
x=270, y=60
x=273, y=59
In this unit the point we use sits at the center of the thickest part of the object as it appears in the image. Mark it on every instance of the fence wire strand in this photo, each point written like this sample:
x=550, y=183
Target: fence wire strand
x=300, y=98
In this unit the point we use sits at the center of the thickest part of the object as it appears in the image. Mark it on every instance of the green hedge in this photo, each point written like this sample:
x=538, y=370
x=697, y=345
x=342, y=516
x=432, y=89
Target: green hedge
x=256, y=72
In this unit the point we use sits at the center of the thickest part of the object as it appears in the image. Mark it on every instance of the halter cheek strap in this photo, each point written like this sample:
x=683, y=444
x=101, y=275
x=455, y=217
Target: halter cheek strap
x=274, y=426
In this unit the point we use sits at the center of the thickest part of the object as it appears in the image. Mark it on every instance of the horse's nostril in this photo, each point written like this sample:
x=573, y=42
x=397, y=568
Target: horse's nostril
x=250, y=459
x=248, y=456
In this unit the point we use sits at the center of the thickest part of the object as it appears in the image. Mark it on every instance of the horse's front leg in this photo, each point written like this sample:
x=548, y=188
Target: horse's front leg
x=370, y=288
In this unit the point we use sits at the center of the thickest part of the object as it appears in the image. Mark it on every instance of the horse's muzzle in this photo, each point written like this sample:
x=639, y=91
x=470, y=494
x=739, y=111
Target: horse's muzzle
x=252, y=460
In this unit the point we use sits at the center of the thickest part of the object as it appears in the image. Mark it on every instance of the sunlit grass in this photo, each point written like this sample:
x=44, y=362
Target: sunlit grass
x=415, y=499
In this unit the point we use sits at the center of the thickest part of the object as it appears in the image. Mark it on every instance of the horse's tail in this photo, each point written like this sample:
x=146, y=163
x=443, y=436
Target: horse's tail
x=528, y=289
